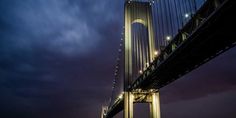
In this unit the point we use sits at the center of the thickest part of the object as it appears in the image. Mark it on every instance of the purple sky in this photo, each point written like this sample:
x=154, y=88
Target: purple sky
x=57, y=59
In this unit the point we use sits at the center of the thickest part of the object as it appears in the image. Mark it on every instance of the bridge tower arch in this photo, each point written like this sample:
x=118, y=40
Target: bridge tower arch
x=138, y=12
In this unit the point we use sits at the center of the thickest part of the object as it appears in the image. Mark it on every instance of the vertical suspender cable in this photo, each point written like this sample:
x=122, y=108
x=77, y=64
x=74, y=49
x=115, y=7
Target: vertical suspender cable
x=137, y=39
x=158, y=31
x=170, y=16
x=181, y=12
x=177, y=16
x=162, y=23
x=147, y=38
x=133, y=38
x=167, y=20
x=190, y=7
x=184, y=11
x=154, y=19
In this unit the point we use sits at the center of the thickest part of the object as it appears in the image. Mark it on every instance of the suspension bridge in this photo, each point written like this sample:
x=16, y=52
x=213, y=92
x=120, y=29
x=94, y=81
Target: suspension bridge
x=162, y=41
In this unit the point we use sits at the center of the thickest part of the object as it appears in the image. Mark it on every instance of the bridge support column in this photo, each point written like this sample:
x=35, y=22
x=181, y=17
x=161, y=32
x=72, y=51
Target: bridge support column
x=104, y=110
x=128, y=105
x=155, y=111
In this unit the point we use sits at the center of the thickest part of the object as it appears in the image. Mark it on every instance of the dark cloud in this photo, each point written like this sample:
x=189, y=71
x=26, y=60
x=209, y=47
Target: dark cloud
x=51, y=51
x=66, y=26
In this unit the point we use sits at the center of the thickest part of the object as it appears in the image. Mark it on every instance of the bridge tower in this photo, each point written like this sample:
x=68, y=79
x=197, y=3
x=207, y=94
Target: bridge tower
x=137, y=12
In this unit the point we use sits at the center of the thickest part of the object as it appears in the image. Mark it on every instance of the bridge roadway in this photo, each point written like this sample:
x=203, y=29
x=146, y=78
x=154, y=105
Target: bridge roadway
x=194, y=45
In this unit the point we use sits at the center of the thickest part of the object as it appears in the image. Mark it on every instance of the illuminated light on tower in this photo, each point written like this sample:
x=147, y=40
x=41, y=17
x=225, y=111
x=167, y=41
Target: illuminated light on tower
x=156, y=53
x=147, y=64
x=168, y=38
x=186, y=15
x=120, y=96
x=140, y=71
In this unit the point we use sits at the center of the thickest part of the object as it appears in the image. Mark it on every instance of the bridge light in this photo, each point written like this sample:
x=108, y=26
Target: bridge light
x=147, y=64
x=139, y=90
x=120, y=96
x=152, y=90
x=186, y=15
x=168, y=38
x=156, y=53
x=140, y=71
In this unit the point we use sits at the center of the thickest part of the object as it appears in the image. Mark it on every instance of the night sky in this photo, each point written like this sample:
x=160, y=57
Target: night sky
x=57, y=59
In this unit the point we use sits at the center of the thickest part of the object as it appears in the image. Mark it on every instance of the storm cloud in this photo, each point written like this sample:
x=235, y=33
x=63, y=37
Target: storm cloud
x=57, y=59
x=49, y=57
